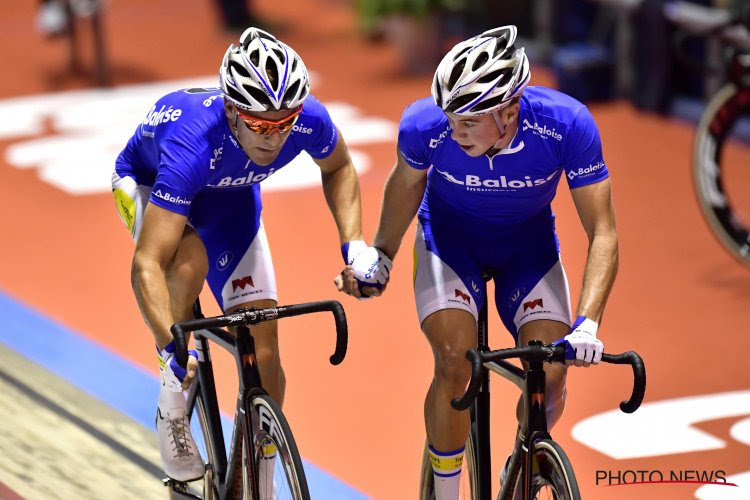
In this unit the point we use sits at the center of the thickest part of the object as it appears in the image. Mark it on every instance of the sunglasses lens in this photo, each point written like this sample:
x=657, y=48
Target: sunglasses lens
x=263, y=127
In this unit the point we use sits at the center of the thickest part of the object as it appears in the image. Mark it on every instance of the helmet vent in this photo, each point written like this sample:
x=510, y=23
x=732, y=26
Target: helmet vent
x=239, y=68
x=461, y=101
x=455, y=74
x=280, y=55
x=508, y=54
x=290, y=93
x=507, y=76
x=255, y=57
x=259, y=96
x=438, y=93
x=491, y=76
x=488, y=104
x=235, y=95
x=480, y=61
x=461, y=52
x=273, y=73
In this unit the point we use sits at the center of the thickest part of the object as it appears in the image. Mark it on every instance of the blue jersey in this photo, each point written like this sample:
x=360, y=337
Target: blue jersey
x=184, y=147
x=556, y=136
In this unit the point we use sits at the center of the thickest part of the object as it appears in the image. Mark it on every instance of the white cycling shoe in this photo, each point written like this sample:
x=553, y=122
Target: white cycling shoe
x=179, y=454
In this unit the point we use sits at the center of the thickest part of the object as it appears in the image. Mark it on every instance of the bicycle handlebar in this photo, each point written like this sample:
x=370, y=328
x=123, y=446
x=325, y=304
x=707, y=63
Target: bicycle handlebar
x=551, y=354
x=255, y=316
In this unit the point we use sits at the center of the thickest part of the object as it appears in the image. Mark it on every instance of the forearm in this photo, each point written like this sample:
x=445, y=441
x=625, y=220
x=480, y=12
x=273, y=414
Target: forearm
x=150, y=287
x=341, y=188
x=599, y=275
x=400, y=203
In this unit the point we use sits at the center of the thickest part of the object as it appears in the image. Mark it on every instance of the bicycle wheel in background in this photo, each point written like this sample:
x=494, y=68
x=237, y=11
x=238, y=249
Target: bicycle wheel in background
x=711, y=167
x=469, y=487
x=552, y=476
x=274, y=453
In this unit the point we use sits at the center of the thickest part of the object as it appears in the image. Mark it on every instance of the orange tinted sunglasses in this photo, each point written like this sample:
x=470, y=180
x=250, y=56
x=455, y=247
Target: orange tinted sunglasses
x=268, y=127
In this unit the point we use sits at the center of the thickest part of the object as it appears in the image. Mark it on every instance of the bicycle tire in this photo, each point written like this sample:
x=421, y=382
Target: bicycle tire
x=552, y=475
x=204, y=441
x=716, y=122
x=468, y=486
x=287, y=475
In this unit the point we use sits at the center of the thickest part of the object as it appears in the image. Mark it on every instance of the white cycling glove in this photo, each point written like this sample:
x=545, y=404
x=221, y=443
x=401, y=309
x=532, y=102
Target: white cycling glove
x=351, y=249
x=172, y=374
x=583, y=341
x=371, y=268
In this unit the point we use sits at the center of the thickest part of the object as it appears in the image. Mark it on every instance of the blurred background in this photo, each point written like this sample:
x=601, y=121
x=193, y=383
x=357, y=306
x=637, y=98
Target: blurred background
x=78, y=375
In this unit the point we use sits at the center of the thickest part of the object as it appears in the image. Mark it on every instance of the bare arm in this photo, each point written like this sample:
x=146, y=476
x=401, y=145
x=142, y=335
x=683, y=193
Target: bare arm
x=341, y=188
x=156, y=246
x=594, y=206
x=401, y=198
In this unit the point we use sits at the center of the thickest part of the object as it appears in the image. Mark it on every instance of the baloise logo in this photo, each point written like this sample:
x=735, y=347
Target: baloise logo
x=474, y=182
x=154, y=117
x=302, y=129
x=250, y=178
x=171, y=198
x=585, y=172
x=543, y=132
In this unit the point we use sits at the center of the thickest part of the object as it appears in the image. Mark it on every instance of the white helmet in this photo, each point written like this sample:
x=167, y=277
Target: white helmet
x=263, y=74
x=481, y=74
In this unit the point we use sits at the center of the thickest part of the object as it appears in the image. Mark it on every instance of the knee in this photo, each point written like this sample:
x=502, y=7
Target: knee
x=452, y=367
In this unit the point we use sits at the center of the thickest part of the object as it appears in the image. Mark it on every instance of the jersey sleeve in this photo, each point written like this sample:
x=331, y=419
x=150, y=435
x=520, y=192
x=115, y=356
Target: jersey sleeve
x=411, y=144
x=582, y=154
x=178, y=179
x=323, y=135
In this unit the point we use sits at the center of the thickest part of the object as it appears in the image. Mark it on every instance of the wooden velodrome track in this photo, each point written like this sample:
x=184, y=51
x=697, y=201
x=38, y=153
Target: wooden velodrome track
x=679, y=299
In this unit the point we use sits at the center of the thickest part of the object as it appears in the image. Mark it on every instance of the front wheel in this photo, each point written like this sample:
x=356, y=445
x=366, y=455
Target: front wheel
x=273, y=453
x=552, y=476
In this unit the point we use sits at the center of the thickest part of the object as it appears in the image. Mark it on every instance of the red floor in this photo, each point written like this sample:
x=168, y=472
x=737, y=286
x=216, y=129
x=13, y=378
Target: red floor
x=679, y=299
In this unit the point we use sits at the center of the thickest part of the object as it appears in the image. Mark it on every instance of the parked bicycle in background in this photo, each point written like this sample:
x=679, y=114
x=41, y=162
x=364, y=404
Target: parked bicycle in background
x=721, y=180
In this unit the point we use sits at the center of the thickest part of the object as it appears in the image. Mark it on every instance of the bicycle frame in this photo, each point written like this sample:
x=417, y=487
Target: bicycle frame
x=242, y=348
x=532, y=385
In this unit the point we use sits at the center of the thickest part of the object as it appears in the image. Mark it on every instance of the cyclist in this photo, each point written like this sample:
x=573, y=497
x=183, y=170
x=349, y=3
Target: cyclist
x=187, y=187
x=479, y=163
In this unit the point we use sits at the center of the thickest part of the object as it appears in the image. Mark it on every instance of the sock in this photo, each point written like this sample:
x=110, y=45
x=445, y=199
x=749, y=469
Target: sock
x=446, y=469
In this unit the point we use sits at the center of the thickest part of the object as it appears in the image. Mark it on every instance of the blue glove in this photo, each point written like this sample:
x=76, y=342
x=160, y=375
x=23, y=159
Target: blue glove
x=172, y=374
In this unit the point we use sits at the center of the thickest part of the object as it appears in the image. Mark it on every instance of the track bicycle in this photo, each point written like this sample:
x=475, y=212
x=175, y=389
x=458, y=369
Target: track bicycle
x=546, y=471
x=727, y=109
x=263, y=460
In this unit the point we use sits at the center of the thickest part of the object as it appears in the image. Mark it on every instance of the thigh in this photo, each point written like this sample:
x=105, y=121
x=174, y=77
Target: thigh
x=240, y=268
x=532, y=285
x=445, y=275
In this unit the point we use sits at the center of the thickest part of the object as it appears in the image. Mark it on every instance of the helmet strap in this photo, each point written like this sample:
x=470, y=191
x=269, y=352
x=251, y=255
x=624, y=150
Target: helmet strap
x=501, y=127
